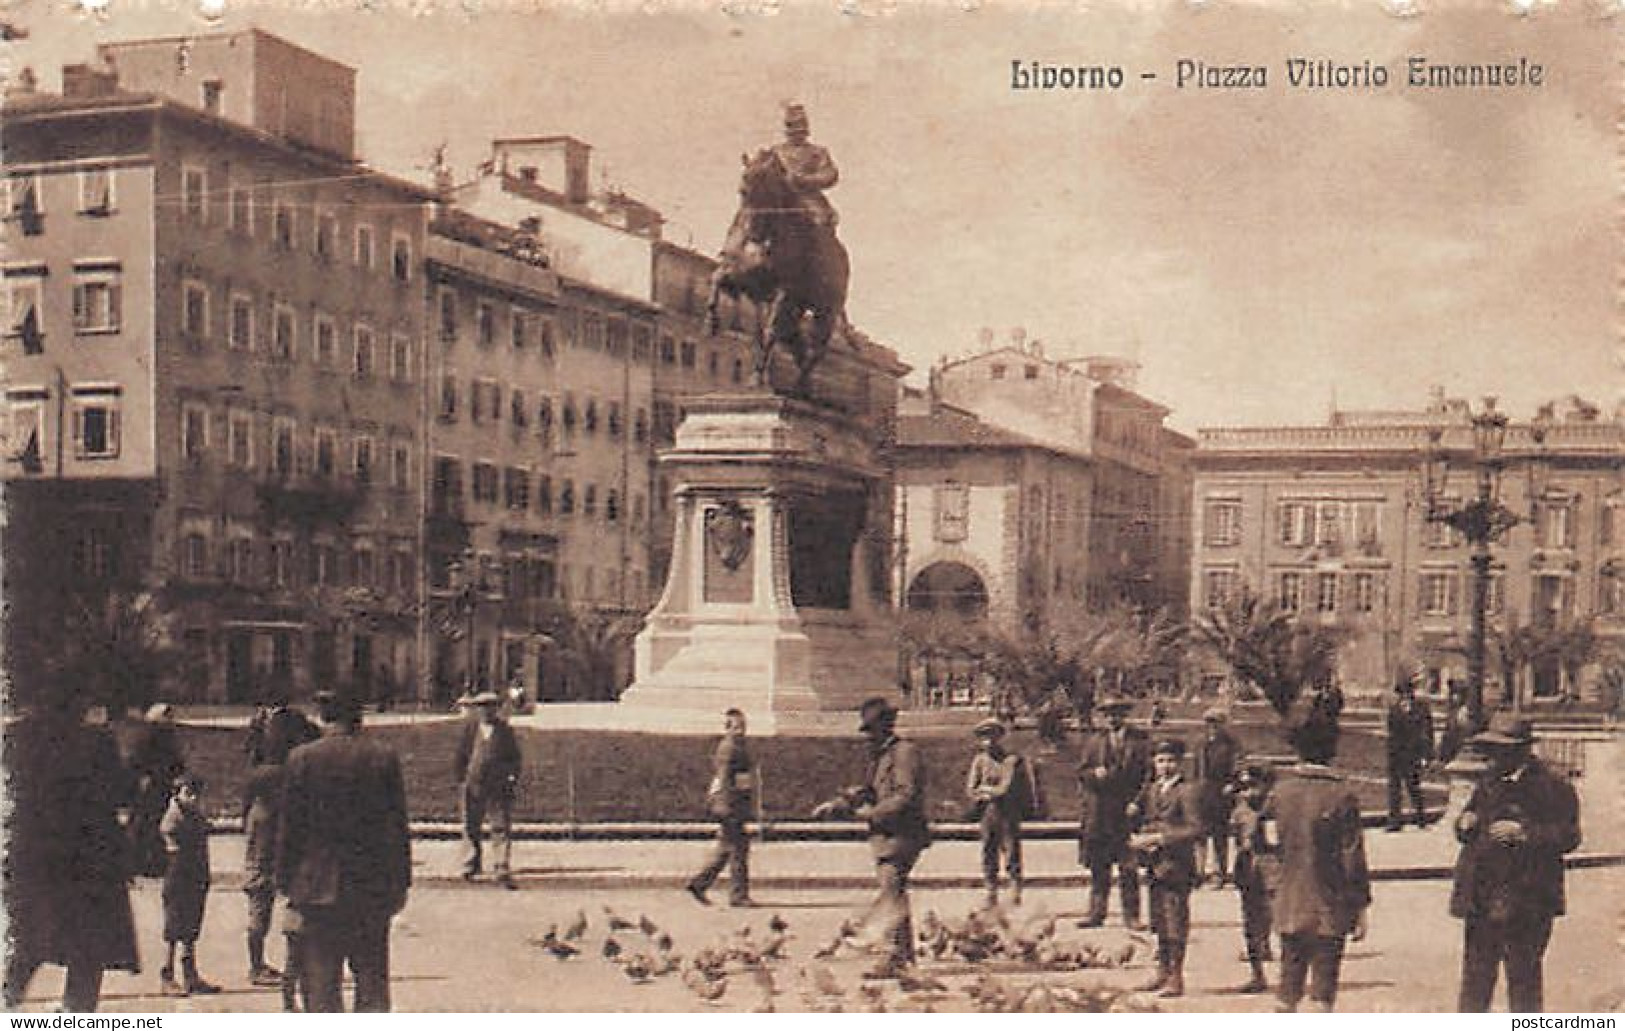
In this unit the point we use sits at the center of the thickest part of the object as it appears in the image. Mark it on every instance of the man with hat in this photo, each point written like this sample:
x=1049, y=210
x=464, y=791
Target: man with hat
x=1517, y=825
x=344, y=858
x=807, y=166
x=1215, y=768
x=1325, y=885
x=893, y=804
x=1000, y=790
x=487, y=767
x=1169, y=815
x=1113, y=765
x=1410, y=744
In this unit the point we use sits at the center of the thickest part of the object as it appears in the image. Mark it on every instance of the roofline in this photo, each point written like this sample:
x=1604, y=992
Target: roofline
x=551, y=138
x=135, y=103
x=252, y=30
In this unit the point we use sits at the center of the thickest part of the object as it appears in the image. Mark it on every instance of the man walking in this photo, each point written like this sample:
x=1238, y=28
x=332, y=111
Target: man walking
x=1215, y=769
x=894, y=807
x=1113, y=765
x=487, y=769
x=728, y=797
x=1514, y=832
x=343, y=857
x=1410, y=744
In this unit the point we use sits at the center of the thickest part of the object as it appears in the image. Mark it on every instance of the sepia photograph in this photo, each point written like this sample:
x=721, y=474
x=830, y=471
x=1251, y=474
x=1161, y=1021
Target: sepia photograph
x=813, y=506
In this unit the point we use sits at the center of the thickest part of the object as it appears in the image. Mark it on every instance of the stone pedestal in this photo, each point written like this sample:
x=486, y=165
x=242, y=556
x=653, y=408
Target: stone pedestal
x=772, y=604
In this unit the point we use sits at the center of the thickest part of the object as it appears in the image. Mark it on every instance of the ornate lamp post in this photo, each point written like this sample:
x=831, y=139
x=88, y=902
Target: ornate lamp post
x=1481, y=521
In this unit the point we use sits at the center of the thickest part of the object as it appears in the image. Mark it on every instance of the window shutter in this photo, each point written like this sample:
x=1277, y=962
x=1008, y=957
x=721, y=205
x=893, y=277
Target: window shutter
x=115, y=305
x=79, y=305
x=1453, y=594
x=113, y=438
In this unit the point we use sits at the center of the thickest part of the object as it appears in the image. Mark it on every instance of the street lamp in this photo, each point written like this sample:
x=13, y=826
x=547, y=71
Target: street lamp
x=1481, y=521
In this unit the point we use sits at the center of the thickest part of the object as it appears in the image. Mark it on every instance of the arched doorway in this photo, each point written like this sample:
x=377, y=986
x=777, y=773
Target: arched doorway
x=948, y=587
x=944, y=626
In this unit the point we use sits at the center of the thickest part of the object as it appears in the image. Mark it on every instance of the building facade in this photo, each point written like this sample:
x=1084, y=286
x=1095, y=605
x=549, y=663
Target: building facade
x=1330, y=522
x=223, y=316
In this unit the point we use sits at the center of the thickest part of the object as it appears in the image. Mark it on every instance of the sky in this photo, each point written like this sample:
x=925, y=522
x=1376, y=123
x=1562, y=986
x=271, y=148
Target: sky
x=1261, y=253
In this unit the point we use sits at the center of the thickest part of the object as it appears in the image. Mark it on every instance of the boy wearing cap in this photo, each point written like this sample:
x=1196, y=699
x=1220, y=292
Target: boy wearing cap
x=998, y=787
x=185, y=833
x=1514, y=832
x=1169, y=815
x=1256, y=867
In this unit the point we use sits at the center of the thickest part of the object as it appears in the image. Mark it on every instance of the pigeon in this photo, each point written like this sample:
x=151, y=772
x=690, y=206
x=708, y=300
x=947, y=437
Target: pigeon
x=561, y=950
x=577, y=928
x=612, y=949
x=618, y=922
x=638, y=967
x=910, y=982
x=773, y=948
x=777, y=925
x=707, y=988
x=664, y=943
x=647, y=926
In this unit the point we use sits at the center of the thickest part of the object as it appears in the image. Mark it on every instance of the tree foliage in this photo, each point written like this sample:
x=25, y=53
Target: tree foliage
x=1269, y=647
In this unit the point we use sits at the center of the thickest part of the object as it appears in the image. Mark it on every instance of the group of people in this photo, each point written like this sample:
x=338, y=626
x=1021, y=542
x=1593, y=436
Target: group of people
x=1290, y=840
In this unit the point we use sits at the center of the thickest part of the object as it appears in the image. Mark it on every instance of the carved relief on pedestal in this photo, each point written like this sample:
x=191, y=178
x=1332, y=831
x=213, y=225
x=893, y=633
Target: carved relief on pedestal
x=730, y=536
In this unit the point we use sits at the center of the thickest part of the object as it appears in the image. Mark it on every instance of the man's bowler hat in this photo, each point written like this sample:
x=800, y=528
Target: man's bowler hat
x=1505, y=730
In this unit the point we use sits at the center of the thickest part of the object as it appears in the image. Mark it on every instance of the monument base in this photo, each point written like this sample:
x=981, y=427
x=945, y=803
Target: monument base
x=770, y=606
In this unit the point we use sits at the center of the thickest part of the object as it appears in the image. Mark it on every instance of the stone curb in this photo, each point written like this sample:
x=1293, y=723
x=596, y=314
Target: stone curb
x=677, y=881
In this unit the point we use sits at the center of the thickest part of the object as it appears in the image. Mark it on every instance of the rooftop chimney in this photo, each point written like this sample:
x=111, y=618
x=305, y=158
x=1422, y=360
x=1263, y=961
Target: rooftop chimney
x=84, y=80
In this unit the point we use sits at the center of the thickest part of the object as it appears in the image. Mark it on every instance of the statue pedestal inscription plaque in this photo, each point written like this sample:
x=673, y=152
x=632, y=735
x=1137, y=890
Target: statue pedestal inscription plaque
x=770, y=604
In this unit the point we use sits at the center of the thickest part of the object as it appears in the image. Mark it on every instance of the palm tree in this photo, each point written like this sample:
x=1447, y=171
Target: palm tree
x=589, y=643
x=1269, y=647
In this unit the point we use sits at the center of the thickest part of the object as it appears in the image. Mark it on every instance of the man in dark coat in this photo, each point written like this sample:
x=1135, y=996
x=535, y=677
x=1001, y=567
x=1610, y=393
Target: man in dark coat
x=487, y=766
x=343, y=857
x=155, y=760
x=1113, y=765
x=1216, y=759
x=1168, y=813
x=1325, y=885
x=66, y=861
x=1410, y=744
x=1514, y=832
x=893, y=804
x=728, y=797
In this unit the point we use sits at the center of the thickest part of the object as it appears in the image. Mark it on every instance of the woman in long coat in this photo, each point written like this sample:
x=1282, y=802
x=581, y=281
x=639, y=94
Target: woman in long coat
x=66, y=861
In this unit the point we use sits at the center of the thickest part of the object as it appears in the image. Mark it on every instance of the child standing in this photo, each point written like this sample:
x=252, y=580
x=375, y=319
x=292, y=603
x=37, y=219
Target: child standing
x=1169, y=813
x=185, y=833
x=1000, y=790
x=1256, y=867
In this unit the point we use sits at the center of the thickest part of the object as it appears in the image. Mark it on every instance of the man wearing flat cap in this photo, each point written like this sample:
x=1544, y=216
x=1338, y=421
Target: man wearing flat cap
x=1113, y=765
x=1216, y=759
x=486, y=767
x=1520, y=821
x=894, y=807
x=999, y=785
x=344, y=859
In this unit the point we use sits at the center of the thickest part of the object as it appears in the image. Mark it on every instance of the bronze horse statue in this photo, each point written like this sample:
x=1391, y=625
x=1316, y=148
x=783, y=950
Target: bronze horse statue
x=777, y=254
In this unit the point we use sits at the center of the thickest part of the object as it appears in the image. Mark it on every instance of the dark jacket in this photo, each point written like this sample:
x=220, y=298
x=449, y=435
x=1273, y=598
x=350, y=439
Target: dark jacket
x=897, y=825
x=262, y=811
x=1510, y=881
x=1103, y=823
x=729, y=794
x=499, y=774
x=1216, y=759
x=66, y=861
x=1324, y=881
x=1410, y=734
x=1177, y=815
x=343, y=841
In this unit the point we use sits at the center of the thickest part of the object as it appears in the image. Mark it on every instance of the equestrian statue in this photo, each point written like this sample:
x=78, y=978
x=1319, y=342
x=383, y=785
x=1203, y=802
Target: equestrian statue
x=781, y=251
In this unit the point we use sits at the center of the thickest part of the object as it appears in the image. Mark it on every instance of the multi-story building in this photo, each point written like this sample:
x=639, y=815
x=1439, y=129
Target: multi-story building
x=1330, y=522
x=213, y=354
x=1031, y=488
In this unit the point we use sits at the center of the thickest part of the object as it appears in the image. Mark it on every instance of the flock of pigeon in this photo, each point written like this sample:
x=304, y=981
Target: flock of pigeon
x=982, y=961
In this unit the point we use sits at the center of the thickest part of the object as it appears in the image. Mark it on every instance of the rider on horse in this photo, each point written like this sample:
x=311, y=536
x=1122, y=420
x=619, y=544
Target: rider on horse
x=808, y=167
